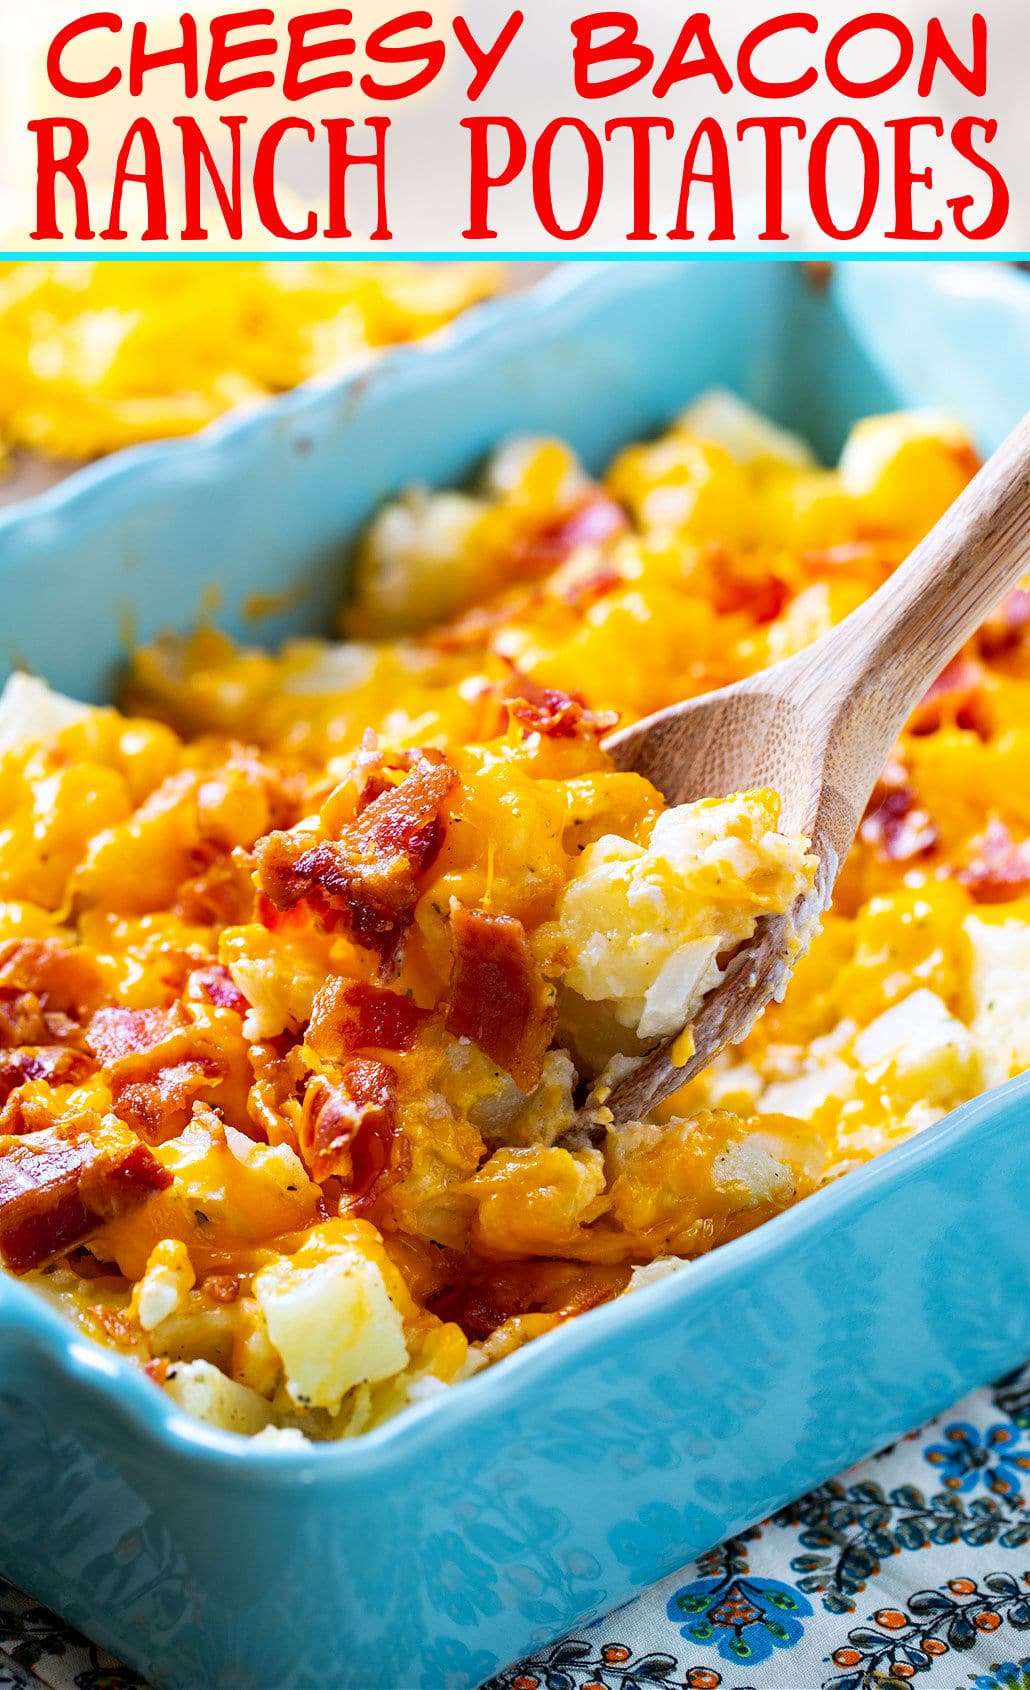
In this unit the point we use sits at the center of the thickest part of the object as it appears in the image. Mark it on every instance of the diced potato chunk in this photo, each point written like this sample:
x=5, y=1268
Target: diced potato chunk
x=333, y=1323
x=204, y=1391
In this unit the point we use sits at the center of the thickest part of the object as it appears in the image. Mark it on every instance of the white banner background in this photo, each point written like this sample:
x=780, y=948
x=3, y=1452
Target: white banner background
x=428, y=151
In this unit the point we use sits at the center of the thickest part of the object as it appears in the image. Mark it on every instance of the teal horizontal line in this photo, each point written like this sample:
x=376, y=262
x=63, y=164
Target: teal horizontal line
x=779, y=255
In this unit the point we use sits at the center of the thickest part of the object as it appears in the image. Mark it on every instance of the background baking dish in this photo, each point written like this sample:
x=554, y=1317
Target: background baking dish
x=601, y=1458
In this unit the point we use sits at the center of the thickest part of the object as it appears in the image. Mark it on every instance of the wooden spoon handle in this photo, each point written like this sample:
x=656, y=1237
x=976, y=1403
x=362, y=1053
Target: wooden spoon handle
x=886, y=654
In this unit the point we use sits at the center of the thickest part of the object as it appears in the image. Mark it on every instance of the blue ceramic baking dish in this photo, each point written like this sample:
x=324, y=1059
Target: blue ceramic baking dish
x=541, y=1493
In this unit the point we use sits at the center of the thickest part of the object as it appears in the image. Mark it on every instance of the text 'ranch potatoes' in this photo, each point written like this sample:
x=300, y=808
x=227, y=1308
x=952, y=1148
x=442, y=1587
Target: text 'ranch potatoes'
x=315, y=968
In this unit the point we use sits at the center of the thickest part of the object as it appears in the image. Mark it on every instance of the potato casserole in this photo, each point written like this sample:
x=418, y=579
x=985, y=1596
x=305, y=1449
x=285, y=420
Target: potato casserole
x=316, y=968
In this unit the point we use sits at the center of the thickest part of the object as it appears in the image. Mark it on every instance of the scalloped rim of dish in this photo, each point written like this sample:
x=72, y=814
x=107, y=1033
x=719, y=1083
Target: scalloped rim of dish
x=121, y=1383
x=229, y=435
x=556, y=294
x=144, y=1407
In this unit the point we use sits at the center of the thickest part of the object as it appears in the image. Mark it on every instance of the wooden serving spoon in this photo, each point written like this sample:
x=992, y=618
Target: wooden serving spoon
x=819, y=728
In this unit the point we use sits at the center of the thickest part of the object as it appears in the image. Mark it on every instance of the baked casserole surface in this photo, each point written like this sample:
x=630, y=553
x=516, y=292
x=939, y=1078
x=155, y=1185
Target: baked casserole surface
x=315, y=967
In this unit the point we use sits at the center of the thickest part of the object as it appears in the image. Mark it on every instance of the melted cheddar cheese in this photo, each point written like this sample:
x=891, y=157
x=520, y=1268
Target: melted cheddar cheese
x=94, y=357
x=314, y=966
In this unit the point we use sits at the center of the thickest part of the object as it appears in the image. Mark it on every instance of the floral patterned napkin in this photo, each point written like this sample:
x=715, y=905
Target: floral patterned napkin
x=913, y=1565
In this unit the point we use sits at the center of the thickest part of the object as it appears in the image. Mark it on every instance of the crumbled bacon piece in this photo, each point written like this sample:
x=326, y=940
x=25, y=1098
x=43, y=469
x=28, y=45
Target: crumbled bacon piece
x=588, y=589
x=349, y=1016
x=221, y=1287
x=64, y=978
x=895, y=824
x=114, y=1034
x=158, y=1107
x=558, y=715
x=955, y=696
x=349, y=1127
x=25, y=1112
x=296, y=919
x=217, y=985
x=482, y=1300
x=376, y=772
x=366, y=881
x=117, y=1325
x=596, y=520
x=737, y=586
x=220, y=895
x=498, y=996
x=1004, y=628
x=58, y=1064
x=281, y=1069
x=999, y=868
x=58, y=1186
x=158, y=1065
x=24, y=1021
x=475, y=629
x=476, y=1308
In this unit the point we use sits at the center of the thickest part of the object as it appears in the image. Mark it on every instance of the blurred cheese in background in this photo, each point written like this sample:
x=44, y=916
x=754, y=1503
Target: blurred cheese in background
x=94, y=357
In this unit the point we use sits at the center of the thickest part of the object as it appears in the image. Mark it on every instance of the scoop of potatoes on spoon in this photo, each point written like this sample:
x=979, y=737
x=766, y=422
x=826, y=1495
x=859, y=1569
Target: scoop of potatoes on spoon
x=818, y=728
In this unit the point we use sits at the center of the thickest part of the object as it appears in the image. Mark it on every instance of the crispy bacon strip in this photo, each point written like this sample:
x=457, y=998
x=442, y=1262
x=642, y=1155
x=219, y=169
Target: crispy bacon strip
x=349, y=1016
x=366, y=881
x=498, y=997
x=1000, y=868
x=114, y=1035
x=158, y=1065
x=58, y=1186
x=348, y=1128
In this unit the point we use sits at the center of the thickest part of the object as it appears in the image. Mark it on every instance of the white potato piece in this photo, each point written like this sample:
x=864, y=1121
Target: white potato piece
x=332, y=1323
x=923, y=1048
x=1000, y=991
x=30, y=713
x=729, y=421
x=751, y=1165
x=204, y=1391
x=808, y=1090
x=649, y=1273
